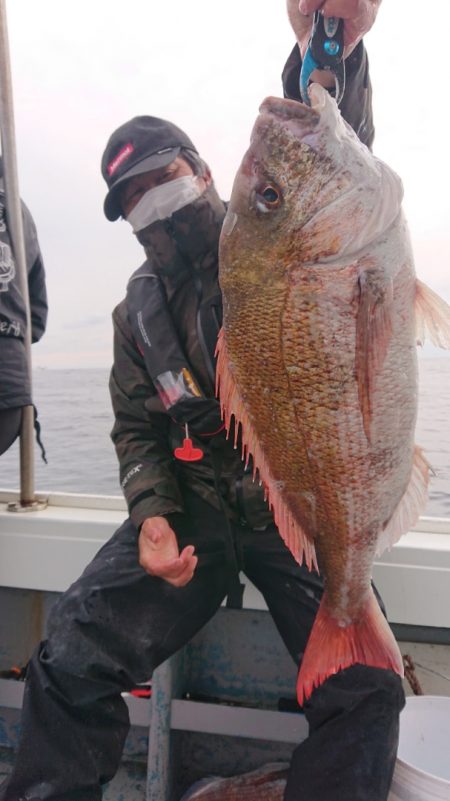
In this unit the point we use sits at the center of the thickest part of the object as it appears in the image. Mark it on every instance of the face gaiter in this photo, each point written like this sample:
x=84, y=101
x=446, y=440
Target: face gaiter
x=187, y=239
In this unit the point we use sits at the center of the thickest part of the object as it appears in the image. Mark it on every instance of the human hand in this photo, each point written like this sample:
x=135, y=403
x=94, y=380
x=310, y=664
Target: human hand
x=358, y=16
x=159, y=554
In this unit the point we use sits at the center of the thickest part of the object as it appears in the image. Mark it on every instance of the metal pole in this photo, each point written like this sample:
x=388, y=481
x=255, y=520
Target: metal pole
x=15, y=228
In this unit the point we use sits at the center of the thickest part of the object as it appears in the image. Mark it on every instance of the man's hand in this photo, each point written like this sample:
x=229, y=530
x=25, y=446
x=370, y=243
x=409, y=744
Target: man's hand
x=159, y=554
x=358, y=16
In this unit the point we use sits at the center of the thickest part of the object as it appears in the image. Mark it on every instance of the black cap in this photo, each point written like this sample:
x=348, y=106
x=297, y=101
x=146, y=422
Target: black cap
x=140, y=145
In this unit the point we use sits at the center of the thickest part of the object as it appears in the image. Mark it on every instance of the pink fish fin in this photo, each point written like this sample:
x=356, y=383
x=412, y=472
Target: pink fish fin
x=333, y=647
x=232, y=405
x=373, y=334
x=432, y=317
x=292, y=533
x=411, y=505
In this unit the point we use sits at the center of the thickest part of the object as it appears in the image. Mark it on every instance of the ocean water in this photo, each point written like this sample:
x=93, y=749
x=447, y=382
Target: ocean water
x=76, y=418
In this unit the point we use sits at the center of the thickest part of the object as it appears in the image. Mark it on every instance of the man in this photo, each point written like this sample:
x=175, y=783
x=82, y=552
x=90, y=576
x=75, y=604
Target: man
x=196, y=517
x=14, y=381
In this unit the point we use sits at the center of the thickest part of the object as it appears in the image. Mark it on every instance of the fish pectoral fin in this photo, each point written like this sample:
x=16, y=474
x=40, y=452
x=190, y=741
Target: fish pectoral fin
x=332, y=647
x=432, y=317
x=373, y=334
x=412, y=503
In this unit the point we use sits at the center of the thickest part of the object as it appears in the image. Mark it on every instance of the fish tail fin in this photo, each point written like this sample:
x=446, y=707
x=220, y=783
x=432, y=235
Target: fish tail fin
x=432, y=317
x=332, y=647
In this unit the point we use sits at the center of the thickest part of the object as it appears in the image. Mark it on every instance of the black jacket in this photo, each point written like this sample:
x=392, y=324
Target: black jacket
x=145, y=435
x=14, y=384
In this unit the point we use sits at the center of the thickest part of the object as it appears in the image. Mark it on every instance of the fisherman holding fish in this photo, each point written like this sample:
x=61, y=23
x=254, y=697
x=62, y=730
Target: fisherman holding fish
x=197, y=517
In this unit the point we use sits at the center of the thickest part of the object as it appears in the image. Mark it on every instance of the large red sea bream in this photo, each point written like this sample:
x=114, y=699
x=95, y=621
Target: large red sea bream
x=317, y=361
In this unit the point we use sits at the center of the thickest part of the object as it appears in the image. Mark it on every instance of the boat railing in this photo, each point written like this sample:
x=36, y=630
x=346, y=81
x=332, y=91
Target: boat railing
x=15, y=229
x=50, y=550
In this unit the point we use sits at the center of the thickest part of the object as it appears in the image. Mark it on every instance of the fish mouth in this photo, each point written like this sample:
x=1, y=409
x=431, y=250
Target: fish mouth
x=295, y=121
x=298, y=120
x=290, y=110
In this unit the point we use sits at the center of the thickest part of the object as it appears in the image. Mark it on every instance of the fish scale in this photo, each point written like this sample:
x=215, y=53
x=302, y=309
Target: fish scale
x=317, y=362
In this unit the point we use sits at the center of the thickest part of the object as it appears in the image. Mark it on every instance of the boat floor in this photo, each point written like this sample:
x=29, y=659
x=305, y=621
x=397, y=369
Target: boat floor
x=129, y=782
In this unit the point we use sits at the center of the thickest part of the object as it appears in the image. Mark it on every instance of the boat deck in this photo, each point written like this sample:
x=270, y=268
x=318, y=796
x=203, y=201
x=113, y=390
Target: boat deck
x=217, y=700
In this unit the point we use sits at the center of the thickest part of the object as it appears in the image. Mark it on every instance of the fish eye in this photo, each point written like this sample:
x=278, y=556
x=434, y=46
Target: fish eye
x=268, y=197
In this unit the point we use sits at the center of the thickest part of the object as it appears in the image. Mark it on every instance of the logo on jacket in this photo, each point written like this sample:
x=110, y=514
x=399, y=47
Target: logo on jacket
x=7, y=267
x=130, y=474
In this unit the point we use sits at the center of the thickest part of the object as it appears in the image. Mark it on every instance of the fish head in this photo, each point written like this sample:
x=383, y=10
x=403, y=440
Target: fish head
x=307, y=191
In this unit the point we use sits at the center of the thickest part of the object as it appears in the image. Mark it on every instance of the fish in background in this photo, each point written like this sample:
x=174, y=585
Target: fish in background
x=317, y=361
x=264, y=784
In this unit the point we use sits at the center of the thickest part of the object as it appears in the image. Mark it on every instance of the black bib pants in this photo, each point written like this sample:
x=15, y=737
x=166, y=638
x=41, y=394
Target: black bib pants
x=116, y=624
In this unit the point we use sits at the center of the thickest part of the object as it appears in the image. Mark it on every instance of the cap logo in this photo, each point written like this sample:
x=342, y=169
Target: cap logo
x=120, y=158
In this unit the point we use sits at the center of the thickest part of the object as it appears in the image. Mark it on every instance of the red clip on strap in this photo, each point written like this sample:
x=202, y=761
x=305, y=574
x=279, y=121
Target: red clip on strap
x=145, y=692
x=187, y=453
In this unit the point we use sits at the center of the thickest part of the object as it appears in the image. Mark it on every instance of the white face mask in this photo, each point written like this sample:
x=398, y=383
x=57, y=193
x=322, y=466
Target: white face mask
x=162, y=201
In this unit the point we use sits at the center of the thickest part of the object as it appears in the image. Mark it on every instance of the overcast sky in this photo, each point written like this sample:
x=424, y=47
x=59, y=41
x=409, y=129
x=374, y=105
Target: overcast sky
x=82, y=68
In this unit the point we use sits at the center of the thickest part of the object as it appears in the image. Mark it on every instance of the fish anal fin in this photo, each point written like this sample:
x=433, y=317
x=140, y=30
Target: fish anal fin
x=232, y=405
x=292, y=533
x=332, y=647
x=432, y=317
x=373, y=334
x=411, y=505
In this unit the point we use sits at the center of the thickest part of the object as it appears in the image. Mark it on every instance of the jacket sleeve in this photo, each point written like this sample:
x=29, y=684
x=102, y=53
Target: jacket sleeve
x=36, y=277
x=356, y=104
x=140, y=433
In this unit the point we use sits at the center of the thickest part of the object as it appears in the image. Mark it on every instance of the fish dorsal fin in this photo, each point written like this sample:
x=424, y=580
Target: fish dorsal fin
x=412, y=504
x=295, y=538
x=432, y=317
x=373, y=334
